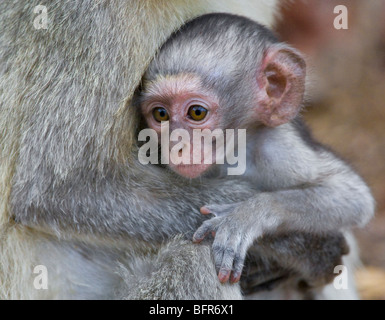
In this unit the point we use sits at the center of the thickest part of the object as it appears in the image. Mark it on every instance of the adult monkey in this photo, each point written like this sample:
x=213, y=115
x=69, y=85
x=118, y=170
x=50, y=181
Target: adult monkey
x=73, y=197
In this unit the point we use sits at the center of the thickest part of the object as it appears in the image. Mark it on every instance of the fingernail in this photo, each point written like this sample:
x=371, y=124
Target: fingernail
x=235, y=277
x=223, y=276
x=204, y=210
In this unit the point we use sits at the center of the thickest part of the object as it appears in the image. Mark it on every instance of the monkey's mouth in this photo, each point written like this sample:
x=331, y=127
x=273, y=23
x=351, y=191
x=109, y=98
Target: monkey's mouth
x=191, y=171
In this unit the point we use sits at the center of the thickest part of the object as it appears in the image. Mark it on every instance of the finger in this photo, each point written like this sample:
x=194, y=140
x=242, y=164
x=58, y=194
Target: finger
x=205, y=210
x=200, y=234
x=229, y=252
x=227, y=265
x=239, y=261
x=203, y=231
x=218, y=257
x=219, y=245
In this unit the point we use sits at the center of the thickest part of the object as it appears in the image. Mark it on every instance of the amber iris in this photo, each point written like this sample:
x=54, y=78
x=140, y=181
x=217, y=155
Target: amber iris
x=160, y=114
x=197, y=112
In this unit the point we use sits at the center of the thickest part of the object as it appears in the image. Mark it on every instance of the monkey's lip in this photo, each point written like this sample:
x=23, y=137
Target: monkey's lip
x=191, y=170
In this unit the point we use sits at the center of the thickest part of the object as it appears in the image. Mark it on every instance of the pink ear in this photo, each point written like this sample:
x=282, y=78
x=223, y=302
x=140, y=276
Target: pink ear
x=281, y=82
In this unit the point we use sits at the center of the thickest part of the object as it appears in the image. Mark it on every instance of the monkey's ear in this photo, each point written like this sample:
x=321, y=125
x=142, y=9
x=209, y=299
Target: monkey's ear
x=281, y=82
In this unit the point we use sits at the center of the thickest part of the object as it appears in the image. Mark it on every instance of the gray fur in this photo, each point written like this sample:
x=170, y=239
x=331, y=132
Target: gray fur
x=72, y=195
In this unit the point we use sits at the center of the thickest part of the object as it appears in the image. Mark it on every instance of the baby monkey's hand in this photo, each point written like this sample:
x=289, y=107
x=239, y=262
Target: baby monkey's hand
x=233, y=234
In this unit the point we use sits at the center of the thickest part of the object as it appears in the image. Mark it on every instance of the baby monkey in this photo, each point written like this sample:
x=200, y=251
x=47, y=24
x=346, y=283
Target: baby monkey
x=221, y=71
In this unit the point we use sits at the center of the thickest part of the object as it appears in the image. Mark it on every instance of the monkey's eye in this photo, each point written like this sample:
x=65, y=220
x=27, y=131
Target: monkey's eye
x=197, y=112
x=160, y=114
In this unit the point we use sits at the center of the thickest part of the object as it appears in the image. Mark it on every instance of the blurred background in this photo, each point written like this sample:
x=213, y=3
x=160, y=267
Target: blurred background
x=346, y=102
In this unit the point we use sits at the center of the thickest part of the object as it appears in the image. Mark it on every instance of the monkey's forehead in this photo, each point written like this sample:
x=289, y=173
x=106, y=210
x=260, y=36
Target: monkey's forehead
x=165, y=86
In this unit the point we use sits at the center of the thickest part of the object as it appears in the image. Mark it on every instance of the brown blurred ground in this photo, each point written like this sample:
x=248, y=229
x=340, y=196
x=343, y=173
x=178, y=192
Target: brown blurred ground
x=346, y=107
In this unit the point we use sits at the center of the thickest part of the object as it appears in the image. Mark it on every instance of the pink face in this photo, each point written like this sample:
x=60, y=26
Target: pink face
x=182, y=102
